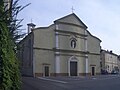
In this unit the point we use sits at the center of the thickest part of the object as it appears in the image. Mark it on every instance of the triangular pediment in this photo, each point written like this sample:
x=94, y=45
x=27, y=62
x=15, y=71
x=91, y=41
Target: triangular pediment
x=72, y=19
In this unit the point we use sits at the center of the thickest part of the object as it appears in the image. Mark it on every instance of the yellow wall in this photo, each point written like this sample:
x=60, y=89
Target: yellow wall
x=64, y=61
x=111, y=61
x=94, y=60
x=44, y=57
x=71, y=28
x=65, y=43
x=93, y=44
x=94, y=52
x=44, y=38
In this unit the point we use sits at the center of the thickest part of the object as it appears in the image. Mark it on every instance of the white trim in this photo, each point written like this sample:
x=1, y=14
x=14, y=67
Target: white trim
x=86, y=42
x=56, y=27
x=86, y=64
x=57, y=63
x=86, y=49
x=56, y=37
x=57, y=57
x=69, y=67
x=58, y=81
x=56, y=40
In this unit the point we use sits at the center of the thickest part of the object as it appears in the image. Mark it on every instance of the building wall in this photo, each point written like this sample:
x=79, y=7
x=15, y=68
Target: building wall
x=65, y=41
x=109, y=61
x=53, y=48
x=44, y=38
x=43, y=58
x=44, y=42
x=94, y=61
x=102, y=58
x=65, y=63
x=71, y=28
x=94, y=53
x=26, y=55
x=93, y=44
x=67, y=32
x=119, y=63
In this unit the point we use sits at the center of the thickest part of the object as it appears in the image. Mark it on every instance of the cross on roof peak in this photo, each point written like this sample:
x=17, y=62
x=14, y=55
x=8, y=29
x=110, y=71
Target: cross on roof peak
x=72, y=9
x=31, y=20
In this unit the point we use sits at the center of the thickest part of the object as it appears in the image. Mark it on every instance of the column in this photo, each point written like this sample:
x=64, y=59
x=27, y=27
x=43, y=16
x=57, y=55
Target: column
x=56, y=40
x=57, y=62
x=86, y=64
x=86, y=49
x=57, y=56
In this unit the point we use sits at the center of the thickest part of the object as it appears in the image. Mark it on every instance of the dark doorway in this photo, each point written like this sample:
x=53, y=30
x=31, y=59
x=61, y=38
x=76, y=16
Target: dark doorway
x=93, y=71
x=46, y=70
x=73, y=68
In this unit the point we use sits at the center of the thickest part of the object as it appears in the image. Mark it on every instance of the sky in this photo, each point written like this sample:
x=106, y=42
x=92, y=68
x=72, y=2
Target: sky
x=102, y=17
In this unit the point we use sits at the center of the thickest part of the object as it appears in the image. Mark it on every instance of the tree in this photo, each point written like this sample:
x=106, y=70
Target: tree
x=9, y=63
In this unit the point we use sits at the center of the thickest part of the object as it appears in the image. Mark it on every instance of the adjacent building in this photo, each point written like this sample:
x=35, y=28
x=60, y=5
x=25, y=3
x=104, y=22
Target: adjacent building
x=119, y=63
x=65, y=48
x=109, y=61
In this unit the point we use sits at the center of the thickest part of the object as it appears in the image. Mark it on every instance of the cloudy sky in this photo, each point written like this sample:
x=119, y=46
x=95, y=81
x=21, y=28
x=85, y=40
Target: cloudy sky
x=101, y=16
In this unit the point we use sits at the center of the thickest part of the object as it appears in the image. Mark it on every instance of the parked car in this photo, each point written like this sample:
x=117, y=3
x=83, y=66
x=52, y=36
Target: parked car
x=114, y=72
x=104, y=72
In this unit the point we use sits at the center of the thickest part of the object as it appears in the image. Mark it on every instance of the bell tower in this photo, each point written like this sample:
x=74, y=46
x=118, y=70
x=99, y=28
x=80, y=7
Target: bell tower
x=30, y=27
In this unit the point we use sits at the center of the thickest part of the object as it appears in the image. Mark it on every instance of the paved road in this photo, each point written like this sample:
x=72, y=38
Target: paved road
x=110, y=82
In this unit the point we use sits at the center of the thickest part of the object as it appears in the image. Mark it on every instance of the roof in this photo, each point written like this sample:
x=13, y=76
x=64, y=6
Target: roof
x=94, y=36
x=31, y=24
x=109, y=52
x=72, y=19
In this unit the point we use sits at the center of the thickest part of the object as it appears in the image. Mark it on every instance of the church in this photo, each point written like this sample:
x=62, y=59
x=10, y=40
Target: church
x=65, y=48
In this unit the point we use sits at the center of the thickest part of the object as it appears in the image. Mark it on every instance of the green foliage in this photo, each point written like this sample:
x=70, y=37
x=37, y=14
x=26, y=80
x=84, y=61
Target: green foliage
x=9, y=63
x=10, y=69
x=15, y=25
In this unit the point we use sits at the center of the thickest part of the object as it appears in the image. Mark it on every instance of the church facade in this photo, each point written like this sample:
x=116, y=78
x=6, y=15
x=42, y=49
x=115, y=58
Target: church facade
x=65, y=48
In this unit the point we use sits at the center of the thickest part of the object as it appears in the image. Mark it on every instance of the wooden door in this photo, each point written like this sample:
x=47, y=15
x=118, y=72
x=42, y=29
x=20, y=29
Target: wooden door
x=73, y=68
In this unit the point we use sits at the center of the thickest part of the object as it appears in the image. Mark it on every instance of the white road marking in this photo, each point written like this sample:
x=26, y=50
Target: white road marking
x=52, y=80
x=107, y=78
x=94, y=78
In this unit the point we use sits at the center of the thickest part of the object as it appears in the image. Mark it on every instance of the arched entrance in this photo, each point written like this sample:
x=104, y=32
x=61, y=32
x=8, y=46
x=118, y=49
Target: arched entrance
x=73, y=66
